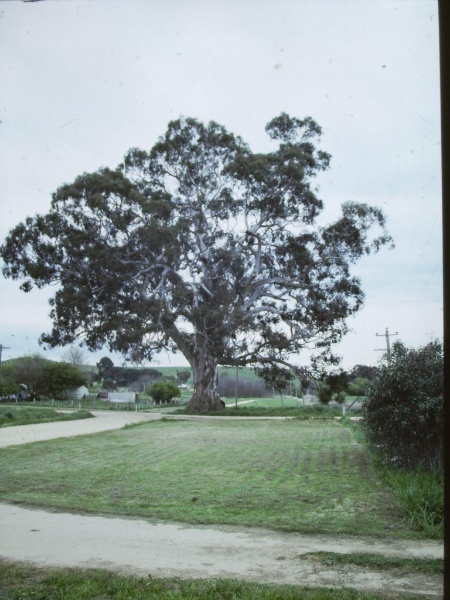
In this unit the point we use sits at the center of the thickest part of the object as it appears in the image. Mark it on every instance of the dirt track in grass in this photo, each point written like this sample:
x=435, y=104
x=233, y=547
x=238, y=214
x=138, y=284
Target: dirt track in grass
x=171, y=549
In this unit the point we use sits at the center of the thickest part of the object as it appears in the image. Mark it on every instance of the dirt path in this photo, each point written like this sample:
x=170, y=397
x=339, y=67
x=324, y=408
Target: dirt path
x=105, y=420
x=171, y=549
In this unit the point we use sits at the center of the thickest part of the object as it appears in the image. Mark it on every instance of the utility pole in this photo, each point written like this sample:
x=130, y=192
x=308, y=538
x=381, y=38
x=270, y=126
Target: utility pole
x=3, y=348
x=237, y=386
x=387, y=335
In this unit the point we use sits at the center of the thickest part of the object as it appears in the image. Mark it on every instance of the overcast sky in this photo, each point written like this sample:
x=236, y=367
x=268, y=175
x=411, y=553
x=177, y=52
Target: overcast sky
x=83, y=81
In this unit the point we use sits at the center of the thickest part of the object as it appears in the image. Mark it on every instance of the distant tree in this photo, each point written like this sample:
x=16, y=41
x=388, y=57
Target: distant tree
x=332, y=387
x=126, y=376
x=183, y=376
x=42, y=377
x=105, y=369
x=8, y=388
x=76, y=357
x=61, y=377
x=362, y=372
x=29, y=371
x=203, y=246
x=163, y=391
x=358, y=386
x=109, y=385
x=404, y=407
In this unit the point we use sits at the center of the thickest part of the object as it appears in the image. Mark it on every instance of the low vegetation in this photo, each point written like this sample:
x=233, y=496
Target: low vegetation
x=379, y=562
x=271, y=408
x=23, y=581
x=420, y=492
x=25, y=415
x=421, y=495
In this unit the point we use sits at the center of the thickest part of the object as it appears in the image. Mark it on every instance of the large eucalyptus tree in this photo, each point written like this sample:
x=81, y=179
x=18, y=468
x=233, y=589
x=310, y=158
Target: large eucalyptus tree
x=200, y=245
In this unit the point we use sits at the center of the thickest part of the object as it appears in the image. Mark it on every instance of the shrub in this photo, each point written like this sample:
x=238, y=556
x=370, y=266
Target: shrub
x=404, y=407
x=359, y=387
x=163, y=391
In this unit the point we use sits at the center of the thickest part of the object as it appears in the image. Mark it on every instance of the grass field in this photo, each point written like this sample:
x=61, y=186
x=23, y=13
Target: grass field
x=28, y=415
x=309, y=476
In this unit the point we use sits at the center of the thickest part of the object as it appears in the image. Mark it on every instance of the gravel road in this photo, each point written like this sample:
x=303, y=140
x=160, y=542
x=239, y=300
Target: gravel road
x=105, y=420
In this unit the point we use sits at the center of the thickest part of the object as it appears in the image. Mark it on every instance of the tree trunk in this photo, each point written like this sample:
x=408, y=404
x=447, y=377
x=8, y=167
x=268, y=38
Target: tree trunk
x=205, y=397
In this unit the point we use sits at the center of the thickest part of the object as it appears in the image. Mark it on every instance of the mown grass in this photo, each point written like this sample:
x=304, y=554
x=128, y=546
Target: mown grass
x=25, y=415
x=269, y=408
x=380, y=562
x=20, y=582
x=307, y=476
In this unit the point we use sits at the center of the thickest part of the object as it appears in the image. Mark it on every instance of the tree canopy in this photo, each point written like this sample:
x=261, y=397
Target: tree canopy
x=41, y=377
x=203, y=246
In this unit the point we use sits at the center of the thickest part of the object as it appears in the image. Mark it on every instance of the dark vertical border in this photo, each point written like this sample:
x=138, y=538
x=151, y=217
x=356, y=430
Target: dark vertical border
x=444, y=30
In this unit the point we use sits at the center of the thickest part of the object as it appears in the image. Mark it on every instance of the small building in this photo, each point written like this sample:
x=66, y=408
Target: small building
x=122, y=397
x=78, y=394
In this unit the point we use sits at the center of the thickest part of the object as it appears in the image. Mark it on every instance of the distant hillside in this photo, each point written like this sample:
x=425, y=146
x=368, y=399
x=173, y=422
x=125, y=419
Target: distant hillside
x=245, y=374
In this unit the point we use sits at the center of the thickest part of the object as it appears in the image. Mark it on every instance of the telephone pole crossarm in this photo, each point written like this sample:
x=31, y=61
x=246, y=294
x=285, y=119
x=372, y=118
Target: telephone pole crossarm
x=387, y=335
x=1, y=349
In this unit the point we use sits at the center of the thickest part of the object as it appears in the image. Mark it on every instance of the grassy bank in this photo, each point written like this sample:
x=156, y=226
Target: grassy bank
x=420, y=493
x=309, y=476
x=270, y=408
x=379, y=562
x=23, y=581
x=28, y=415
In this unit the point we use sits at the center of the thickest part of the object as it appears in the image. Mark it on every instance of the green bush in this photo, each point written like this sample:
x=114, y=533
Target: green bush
x=404, y=408
x=358, y=387
x=163, y=391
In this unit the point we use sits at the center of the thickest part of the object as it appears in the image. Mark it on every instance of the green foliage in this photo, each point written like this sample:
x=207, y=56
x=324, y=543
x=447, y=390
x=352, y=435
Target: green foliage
x=59, y=377
x=163, y=391
x=362, y=371
x=105, y=368
x=404, y=407
x=41, y=377
x=113, y=377
x=358, y=387
x=8, y=388
x=184, y=376
x=141, y=250
x=332, y=387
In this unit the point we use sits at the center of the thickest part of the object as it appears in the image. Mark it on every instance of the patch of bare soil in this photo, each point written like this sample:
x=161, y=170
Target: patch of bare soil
x=173, y=549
